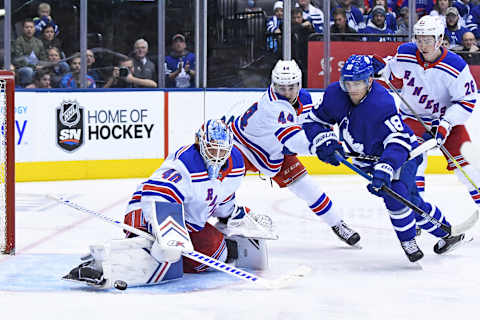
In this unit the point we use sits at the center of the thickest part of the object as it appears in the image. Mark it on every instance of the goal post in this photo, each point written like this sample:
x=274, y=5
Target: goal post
x=7, y=163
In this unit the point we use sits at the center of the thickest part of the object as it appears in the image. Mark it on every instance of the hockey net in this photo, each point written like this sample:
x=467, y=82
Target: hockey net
x=7, y=163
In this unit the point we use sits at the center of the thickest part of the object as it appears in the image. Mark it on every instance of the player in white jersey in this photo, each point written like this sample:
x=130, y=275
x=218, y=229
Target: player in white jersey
x=194, y=183
x=439, y=87
x=269, y=134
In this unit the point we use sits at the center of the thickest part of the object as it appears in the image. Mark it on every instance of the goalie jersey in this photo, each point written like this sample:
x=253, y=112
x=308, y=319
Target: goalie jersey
x=270, y=128
x=183, y=178
x=373, y=127
x=443, y=89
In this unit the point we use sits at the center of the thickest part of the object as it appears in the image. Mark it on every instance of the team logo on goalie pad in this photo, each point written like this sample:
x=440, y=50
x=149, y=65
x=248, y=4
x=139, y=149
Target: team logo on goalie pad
x=70, y=125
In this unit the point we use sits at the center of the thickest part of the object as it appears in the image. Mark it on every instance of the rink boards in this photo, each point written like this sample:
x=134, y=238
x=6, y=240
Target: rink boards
x=84, y=134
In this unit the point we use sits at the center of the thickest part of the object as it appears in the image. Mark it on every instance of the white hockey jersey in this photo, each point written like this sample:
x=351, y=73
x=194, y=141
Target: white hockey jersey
x=442, y=89
x=183, y=178
x=271, y=127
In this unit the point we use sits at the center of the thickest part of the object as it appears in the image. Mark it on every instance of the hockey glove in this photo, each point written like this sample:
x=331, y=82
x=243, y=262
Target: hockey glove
x=382, y=176
x=324, y=145
x=440, y=129
x=166, y=252
x=378, y=65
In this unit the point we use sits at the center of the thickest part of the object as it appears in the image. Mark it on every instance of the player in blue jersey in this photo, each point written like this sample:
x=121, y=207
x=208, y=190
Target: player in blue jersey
x=369, y=124
x=195, y=183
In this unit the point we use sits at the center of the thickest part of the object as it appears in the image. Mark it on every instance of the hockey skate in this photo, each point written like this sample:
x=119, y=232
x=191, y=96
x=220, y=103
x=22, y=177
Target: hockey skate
x=412, y=250
x=85, y=273
x=345, y=233
x=448, y=243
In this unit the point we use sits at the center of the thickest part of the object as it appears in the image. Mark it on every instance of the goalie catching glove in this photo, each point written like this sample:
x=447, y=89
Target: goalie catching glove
x=245, y=223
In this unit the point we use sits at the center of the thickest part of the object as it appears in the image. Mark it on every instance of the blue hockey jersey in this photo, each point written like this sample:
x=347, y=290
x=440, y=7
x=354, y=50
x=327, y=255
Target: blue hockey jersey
x=373, y=127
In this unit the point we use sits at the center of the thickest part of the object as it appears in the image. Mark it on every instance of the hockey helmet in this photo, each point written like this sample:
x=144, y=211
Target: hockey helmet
x=356, y=68
x=429, y=26
x=287, y=79
x=216, y=142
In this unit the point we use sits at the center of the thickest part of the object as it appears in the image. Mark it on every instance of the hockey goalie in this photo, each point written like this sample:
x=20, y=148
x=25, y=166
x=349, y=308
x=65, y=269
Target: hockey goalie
x=194, y=184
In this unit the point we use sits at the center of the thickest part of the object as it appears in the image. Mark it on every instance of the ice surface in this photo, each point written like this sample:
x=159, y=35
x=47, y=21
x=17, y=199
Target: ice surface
x=374, y=282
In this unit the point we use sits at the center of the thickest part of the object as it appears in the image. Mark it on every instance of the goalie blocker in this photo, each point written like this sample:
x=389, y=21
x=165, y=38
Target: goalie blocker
x=140, y=262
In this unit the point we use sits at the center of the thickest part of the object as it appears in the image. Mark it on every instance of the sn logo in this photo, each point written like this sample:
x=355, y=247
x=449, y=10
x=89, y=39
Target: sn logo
x=70, y=134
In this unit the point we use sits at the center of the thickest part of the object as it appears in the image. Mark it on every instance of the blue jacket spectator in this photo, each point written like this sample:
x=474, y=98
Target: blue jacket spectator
x=312, y=14
x=377, y=25
x=473, y=21
x=390, y=20
x=454, y=31
x=463, y=8
x=354, y=15
x=274, y=27
x=180, y=65
x=72, y=79
x=423, y=6
x=44, y=19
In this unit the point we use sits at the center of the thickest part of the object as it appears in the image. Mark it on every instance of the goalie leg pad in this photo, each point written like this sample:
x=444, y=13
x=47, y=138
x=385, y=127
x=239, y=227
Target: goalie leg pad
x=127, y=260
x=292, y=170
x=251, y=253
x=210, y=242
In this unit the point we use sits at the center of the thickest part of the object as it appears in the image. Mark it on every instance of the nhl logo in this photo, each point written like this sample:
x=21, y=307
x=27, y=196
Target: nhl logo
x=69, y=125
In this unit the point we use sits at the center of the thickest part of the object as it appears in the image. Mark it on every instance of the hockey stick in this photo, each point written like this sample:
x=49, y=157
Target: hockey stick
x=278, y=283
x=451, y=230
x=427, y=145
x=429, y=131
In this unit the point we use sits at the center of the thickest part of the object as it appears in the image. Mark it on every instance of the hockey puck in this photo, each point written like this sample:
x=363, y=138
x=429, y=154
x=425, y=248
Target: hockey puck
x=120, y=285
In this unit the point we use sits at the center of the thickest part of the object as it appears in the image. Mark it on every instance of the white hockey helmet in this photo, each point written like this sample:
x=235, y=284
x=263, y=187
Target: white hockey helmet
x=286, y=73
x=216, y=142
x=429, y=26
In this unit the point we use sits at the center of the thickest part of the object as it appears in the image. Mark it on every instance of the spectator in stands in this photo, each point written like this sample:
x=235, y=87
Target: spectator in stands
x=180, y=65
x=354, y=15
x=56, y=67
x=50, y=40
x=402, y=22
x=390, y=18
x=44, y=19
x=274, y=28
x=340, y=26
x=144, y=68
x=423, y=7
x=470, y=51
x=440, y=9
x=301, y=30
x=463, y=7
x=377, y=25
x=123, y=77
x=312, y=14
x=72, y=79
x=370, y=4
x=41, y=79
x=28, y=51
x=453, y=30
x=92, y=71
x=473, y=21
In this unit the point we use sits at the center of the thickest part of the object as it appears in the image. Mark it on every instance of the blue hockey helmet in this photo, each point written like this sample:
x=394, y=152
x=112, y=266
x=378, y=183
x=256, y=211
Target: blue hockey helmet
x=356, y=68
x=216, y=142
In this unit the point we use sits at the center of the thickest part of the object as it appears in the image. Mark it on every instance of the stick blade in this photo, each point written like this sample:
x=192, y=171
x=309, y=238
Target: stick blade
x=466, y=225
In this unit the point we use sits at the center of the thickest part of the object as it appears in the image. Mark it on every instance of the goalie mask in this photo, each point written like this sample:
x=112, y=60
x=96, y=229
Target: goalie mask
x=287, y=79
x=215, y=142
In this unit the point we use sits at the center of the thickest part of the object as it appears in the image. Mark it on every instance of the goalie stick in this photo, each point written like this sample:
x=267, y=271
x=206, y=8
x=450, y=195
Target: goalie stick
x=424, y=147
x=450, y=229
x=429, y=131
x=278, y=283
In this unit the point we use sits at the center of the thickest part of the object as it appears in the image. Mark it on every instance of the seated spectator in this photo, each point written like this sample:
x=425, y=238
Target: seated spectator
x=423, y=7
x=301, y=30
x=91, y=70
x=354, y=15
x=463, y=7
x=274, y=28
x=72, y=79
x=473, y=21
x=144, y=67
x=469, y=51
x=41, y=79
x=28, y=51
x=389, y=17
x=180, y=65
x=340, y=26
x=49, y=40
x=370, y=4
x=377, y=25
x=44, y=19
x=56, y=67
x=312, y=14
x=440, y=9
x=402, y=22
x=123, y=77
x=453, y=30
